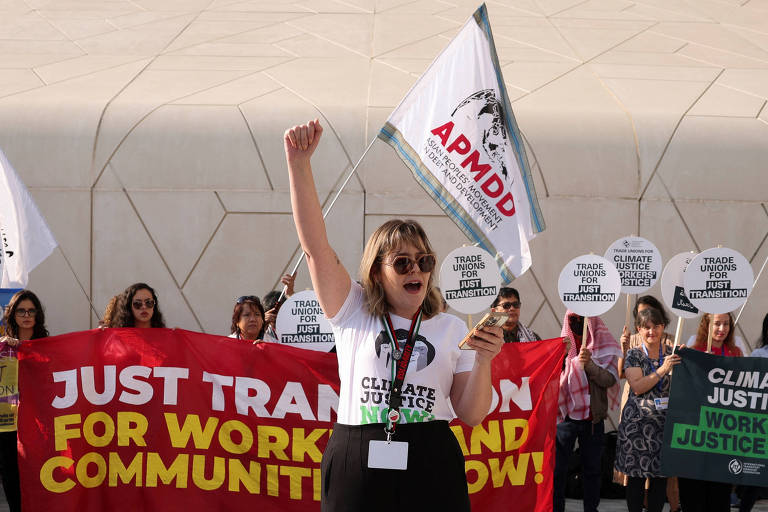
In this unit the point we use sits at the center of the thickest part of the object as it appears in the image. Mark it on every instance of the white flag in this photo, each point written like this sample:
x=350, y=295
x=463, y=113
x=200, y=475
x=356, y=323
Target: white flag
x=456, y=132
x=26, y=239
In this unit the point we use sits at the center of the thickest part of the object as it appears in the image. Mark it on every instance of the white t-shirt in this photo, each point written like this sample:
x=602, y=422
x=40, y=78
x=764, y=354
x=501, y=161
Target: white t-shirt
x=365, y=370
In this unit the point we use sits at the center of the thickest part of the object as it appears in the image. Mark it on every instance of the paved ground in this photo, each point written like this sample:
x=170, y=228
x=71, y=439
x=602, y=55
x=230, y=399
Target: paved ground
x=621, y=506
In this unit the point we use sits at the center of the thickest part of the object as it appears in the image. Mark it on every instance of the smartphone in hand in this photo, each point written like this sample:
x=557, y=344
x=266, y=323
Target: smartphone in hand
x=489, y=320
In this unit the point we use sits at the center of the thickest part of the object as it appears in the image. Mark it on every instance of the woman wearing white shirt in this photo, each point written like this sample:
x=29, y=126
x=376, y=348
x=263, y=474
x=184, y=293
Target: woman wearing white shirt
x=395, y=300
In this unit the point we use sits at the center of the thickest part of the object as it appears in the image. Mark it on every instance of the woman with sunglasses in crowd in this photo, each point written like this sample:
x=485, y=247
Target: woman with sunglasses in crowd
x=138, y=307
x=508, y=301
x=388, y=329
x=24, y=320
x=248, y=319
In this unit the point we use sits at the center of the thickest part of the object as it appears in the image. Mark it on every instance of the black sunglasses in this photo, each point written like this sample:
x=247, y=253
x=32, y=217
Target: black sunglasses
x=247, y=298
x=148, y=303
x=404, y=264
x=507, y=305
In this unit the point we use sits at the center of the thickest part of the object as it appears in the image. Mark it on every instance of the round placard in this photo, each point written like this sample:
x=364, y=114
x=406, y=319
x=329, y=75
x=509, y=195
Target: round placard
x=301, y=323
x=718, y=280
x=469, y=279
x=589, y=285
x=638, y=262
x=672, y=289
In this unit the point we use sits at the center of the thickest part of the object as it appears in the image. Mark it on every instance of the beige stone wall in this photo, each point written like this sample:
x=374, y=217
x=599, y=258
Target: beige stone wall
x=150, y=135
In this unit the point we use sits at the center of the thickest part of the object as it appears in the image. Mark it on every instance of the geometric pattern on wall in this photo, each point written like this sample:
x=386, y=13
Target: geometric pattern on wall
x=150, y=134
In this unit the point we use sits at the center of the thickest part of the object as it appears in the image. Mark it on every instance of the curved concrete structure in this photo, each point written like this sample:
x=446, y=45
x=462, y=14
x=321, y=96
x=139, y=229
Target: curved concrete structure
x=150, y=135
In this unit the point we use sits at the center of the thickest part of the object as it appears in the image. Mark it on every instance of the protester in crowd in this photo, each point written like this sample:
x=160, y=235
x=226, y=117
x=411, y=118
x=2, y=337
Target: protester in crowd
x=588, y=384
x=638, y=447
x=749, y=494
x=397, y=292
x=247, y=319
x=109, y=312
x=701, y=495
x=737, y=341
x=272, y=307
x=628, y=342
x=138, y=307
x=762, y=350
x=24, y=320
x=723, y=343
x=508, y=301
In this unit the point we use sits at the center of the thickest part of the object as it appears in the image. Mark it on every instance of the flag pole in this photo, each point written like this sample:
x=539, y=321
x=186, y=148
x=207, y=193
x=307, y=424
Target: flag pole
x=325, y=214
x=753, y=288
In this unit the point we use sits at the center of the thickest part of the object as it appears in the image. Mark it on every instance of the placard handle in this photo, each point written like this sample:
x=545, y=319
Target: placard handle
x=584, y=334
x=678, y=333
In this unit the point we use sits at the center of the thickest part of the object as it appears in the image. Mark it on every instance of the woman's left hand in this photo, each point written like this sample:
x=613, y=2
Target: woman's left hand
x=487, y=342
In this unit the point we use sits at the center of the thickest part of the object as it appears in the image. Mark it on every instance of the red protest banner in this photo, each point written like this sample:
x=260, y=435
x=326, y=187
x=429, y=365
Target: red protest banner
x=510, y=457
x=160, y=419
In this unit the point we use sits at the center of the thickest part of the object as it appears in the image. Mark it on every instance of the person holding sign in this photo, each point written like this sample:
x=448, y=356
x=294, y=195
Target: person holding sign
x=589, y=380
x=636, y=340
x=24, y=320
x=638, y=447
x=271, y=302
x=628, y=342
x=392, y=445
x=701, y=494
x=723, y=338
x=508, y=301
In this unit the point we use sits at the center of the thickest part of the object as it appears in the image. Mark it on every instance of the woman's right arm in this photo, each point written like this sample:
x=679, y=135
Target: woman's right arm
x=329, y=277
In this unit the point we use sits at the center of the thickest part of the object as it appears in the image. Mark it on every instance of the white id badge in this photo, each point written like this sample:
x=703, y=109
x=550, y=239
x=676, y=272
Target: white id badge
x=661, y=403
x=388, y=455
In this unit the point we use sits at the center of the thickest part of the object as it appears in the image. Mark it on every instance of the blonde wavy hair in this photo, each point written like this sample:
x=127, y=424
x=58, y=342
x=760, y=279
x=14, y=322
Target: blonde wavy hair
x=386, y=239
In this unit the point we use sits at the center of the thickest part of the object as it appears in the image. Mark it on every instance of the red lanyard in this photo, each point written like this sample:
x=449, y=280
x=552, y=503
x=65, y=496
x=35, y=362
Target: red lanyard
x=400, y=361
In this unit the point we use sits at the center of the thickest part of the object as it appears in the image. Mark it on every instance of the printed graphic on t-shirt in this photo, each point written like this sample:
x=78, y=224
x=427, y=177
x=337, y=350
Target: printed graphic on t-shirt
x=417, y=401
x=421, y=357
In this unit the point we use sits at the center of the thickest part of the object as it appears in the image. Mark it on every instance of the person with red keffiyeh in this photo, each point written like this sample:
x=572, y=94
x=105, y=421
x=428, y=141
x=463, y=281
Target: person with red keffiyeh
x=588, y=384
